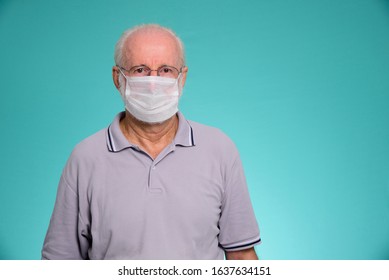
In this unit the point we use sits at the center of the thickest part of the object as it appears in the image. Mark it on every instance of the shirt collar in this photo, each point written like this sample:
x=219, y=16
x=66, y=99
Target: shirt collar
x=117, y=142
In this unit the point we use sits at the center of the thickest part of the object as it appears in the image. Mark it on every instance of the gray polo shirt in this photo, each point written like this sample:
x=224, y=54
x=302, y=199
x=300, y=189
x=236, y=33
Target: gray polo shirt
x=115, y=202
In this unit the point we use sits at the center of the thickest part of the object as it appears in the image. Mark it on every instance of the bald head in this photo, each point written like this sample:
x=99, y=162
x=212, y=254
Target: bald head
x=148, y=40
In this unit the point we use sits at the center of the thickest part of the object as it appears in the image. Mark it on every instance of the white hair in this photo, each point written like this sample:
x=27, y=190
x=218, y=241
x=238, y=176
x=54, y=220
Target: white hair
x=118, y=56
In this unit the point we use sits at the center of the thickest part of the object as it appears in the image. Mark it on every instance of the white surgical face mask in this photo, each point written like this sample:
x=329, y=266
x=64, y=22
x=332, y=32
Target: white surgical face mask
x=151, y=99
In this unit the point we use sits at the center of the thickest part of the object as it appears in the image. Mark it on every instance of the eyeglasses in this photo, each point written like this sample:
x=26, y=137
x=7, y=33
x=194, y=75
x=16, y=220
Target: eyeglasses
x=163, y=71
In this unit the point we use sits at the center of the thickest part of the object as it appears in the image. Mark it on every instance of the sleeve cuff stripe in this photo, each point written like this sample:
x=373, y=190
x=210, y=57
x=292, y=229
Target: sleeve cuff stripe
x=243, y=245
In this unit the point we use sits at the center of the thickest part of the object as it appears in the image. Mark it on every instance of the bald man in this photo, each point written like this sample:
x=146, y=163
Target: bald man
x=152, y=185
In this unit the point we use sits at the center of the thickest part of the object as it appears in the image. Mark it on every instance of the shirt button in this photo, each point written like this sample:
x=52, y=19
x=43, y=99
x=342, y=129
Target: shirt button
x=154, y=167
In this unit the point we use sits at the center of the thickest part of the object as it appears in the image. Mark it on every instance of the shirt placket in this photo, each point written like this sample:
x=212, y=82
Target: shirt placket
x=153, y=186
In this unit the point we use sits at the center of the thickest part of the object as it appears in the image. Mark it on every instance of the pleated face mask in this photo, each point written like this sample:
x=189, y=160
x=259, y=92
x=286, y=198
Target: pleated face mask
x=151, y=99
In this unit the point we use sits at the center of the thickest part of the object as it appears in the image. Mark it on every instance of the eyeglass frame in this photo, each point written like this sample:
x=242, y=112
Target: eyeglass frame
x=150, y=70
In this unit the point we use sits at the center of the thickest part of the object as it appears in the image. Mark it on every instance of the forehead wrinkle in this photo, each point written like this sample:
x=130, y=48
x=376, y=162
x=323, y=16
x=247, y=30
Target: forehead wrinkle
x=152, y=49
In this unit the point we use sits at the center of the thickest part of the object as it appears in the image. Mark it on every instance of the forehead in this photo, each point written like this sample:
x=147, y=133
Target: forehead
x=151, y=48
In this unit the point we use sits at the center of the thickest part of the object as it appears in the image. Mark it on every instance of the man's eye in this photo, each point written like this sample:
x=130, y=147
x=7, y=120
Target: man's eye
x=166, y=70
x=139, y=70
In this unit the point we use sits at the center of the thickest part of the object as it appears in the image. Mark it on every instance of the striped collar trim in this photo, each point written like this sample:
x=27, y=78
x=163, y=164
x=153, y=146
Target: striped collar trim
x=117, y=142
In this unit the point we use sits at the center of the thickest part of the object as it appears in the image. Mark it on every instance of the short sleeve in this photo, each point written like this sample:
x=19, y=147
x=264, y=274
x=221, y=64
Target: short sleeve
x=238, y=226
x=67, y=236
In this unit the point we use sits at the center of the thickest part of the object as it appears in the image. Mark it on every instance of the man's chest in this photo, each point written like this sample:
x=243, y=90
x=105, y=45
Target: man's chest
x=142, y=202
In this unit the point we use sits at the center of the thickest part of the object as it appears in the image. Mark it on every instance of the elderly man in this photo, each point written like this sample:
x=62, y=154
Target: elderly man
x=152, y=185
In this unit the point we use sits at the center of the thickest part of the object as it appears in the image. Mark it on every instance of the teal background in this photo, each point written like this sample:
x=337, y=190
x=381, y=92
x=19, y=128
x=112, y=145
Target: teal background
x=302, y=87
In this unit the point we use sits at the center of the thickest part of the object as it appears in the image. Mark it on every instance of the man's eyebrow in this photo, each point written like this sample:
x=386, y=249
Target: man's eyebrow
x=140, y=65
x=162, y=65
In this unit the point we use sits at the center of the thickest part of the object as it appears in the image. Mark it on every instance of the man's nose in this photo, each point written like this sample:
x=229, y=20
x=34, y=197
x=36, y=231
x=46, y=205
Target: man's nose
x=153, y=73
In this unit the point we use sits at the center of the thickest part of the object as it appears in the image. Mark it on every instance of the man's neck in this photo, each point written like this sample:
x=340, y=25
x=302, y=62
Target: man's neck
x=152, y=138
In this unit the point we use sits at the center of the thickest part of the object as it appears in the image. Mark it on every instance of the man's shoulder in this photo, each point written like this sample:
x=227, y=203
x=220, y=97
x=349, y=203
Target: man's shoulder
x=86, y=154
x=201, y=129
x=211, y=136
x=92, y=145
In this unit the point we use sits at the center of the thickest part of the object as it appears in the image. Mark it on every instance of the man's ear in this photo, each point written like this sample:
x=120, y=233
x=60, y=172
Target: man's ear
x=184, y=72
x=115, y=76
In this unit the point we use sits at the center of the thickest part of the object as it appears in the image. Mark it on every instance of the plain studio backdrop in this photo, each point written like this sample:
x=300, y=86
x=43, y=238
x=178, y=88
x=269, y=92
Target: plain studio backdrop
x=302, y=88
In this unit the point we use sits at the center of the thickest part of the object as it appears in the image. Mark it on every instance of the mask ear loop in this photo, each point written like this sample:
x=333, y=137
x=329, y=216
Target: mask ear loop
x=120, y=70
x=123, y=88
x=179, y=84
x=124, y=76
